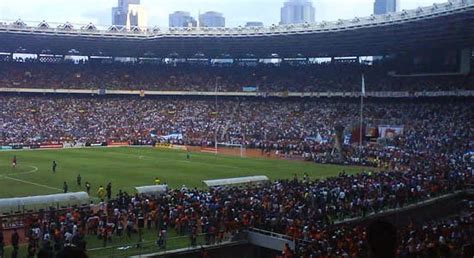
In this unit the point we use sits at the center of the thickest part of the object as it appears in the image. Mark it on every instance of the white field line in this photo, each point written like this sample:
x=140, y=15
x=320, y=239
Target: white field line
x=32, y=183
x=40, y=185
x=33, y=170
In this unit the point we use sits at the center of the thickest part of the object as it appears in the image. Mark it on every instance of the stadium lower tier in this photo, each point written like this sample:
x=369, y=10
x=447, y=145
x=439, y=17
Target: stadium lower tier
x=396, y=134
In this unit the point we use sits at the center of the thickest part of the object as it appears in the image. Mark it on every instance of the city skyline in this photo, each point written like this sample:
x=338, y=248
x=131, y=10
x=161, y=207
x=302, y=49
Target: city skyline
x=236, y=14
x=181, y=19
x=211, y=19
x=386, y=6
x=128, y=14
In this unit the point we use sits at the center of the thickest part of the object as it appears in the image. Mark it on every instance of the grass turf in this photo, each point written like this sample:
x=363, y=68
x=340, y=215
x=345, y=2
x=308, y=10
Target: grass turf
x=124, y=246
x=126, y=168
x=129, y=167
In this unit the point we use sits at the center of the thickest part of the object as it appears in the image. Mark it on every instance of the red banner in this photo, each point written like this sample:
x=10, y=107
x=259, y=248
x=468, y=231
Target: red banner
x=117, y=144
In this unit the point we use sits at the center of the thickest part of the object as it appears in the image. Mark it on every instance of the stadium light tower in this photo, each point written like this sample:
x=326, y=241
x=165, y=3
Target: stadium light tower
x=362, y=95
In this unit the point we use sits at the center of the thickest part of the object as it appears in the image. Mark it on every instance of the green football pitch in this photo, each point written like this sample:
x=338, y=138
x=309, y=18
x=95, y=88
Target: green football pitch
x=126, y=168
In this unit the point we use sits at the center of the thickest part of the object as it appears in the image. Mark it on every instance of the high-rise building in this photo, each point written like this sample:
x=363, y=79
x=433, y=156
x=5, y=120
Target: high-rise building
x=386, y=6
x=127, y=2
x=181, y=19
x=129, y=13
x=211, y=19
x=297, y=11
x=254, y=24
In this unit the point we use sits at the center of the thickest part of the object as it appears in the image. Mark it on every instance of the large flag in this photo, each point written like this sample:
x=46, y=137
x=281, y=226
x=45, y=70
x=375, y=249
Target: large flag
x=363, y=85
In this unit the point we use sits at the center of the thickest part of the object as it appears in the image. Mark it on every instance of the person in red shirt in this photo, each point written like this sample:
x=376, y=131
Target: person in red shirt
x=14, y=161
x=287, y=252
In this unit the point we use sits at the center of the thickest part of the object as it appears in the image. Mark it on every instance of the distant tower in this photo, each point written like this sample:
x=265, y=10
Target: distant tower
x=211, y=19
x=181, y=19
x=297, y=11
x=129, y=13
x=386, y=6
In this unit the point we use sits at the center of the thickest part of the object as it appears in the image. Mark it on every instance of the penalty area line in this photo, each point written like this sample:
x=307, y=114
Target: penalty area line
x=32, y=183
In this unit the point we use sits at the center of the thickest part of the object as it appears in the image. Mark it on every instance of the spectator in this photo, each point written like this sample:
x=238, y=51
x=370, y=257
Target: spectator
x=15, y=240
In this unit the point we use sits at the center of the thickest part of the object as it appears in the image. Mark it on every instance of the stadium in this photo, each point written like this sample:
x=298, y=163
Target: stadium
x=351, y=138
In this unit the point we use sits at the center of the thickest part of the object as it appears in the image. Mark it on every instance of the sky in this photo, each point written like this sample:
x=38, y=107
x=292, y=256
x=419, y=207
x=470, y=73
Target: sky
x=237, y=12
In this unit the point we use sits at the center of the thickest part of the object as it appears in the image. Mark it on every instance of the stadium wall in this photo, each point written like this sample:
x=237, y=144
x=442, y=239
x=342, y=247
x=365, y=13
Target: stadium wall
x=438, y=207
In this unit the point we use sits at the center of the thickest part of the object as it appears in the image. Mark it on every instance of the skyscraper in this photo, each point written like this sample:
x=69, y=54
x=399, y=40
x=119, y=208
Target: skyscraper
x=129, y=13
x=181, y=19
x=297, y=11
x=386, y=6
x=211, y=19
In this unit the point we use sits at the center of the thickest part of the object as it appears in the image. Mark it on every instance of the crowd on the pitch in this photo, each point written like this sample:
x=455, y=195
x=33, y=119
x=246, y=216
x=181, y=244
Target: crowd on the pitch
x=302, y=209
x=325, y=77
x=443, y=238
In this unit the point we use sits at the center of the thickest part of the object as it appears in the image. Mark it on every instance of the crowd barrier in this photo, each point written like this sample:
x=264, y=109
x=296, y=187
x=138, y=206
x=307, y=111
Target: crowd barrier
x=51, y=146
x=60, y=146
x=117, y=144
x=88, y=145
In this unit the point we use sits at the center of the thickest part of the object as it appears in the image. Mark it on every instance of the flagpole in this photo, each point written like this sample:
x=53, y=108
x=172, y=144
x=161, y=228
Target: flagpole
x=217, y=117
x=362, y=110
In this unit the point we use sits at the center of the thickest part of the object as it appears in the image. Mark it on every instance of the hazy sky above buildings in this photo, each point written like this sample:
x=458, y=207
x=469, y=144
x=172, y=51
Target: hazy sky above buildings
x=237, y=12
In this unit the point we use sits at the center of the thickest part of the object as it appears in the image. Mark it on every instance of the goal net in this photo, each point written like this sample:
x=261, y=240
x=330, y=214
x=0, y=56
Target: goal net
x=231, y=149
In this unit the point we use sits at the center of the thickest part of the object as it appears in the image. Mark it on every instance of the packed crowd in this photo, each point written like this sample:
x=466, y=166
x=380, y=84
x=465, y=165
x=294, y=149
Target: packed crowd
x=443, y=238
x=303, y=209
x=433, y=131
x=338, y=77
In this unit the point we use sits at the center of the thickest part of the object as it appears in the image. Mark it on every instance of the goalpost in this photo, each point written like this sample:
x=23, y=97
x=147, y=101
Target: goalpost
x=231, y=148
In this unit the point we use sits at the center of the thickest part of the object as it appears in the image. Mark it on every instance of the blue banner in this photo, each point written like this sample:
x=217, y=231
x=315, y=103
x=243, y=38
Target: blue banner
x=249, y=89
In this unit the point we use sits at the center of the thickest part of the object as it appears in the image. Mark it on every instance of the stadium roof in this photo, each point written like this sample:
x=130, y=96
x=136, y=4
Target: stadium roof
x=439, y=26
x=152, y=189
x=40, y=201
x=236, y=181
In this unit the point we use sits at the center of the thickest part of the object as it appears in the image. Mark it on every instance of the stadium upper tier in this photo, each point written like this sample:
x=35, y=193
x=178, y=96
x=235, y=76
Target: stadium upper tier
x=437, y=26
x=327, y=77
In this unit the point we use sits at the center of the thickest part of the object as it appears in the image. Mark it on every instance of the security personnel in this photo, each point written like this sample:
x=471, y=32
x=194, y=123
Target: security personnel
x=101, y=192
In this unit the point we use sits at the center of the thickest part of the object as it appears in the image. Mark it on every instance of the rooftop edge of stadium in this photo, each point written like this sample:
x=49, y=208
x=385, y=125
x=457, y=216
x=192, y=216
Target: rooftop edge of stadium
x=91, y=30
